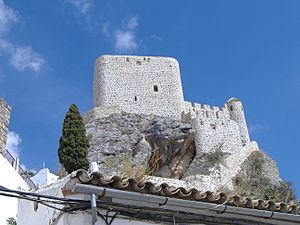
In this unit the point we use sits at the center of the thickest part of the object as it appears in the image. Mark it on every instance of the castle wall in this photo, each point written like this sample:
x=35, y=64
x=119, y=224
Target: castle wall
x=137, y=84
x=214, y=128
x=236, y=112
x=4, y=121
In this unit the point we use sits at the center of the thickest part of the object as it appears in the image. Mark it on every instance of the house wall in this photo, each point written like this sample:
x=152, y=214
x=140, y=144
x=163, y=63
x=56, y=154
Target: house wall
x=9, y=178
x=47, y=216
x=44, y=177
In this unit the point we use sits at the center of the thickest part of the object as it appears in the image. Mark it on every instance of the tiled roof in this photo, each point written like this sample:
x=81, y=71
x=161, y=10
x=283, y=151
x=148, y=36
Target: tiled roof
x=131, y=184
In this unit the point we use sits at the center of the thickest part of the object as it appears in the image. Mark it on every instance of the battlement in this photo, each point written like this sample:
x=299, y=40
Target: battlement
x=205, y=111
x=4, y=122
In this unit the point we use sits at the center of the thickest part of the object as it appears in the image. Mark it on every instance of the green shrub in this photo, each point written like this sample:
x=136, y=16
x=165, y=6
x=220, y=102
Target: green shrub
x=11, y=221
x=216, y=157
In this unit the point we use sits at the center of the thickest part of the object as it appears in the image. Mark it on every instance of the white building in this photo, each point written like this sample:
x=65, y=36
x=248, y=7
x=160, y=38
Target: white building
x=9, y=178
x=44, y=177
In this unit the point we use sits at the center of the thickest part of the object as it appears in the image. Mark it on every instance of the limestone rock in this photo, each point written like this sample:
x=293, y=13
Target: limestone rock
x=162, y=149
x=125, y=144
x=173, y=147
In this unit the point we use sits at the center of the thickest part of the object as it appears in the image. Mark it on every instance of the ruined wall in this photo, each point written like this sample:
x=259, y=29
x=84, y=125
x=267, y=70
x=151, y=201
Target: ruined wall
x=217, y=128
x=4, y=121
x=138, y=84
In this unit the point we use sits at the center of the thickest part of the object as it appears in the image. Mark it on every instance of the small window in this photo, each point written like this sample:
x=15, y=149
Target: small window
x=155, y=87
x=127, y=59
x=138, y=62
x=135, y=98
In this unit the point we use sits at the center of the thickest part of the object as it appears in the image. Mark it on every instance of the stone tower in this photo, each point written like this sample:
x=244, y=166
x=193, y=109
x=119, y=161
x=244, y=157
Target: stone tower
x=236, y=113
x=4, y=121
x=139, y=84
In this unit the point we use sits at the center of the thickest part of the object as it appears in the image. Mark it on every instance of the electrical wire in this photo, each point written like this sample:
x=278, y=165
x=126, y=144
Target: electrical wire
x=67, y=205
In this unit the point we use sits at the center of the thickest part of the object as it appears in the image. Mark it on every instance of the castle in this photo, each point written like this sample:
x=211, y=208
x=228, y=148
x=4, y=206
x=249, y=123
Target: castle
x=137, y=97
x=152, y=85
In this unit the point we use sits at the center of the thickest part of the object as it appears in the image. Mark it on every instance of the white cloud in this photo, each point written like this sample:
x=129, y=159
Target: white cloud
x=125, y=38
x=132, y=23
x=125, y=41
x=23, y=57
x=13, y=144
x=105, y=29
x=7, y=18
x=82, y=6
x=82, y=10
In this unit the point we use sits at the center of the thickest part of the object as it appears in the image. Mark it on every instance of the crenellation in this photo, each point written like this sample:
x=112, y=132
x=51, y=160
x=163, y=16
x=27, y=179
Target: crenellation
x=205, y=106
x=188, y=107
x=215, y=108
x=197, y=106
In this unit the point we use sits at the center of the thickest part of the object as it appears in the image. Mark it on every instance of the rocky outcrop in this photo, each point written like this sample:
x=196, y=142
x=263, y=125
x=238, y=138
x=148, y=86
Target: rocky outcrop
x=135, y=145
x=172, y=147
x=163, y=150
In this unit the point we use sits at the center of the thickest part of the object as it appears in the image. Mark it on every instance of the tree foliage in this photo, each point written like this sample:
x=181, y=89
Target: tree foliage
x=73, y=144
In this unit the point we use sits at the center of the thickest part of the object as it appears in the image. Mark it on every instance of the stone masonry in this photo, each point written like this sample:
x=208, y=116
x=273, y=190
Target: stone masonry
x=4, y=121
x=143, y=85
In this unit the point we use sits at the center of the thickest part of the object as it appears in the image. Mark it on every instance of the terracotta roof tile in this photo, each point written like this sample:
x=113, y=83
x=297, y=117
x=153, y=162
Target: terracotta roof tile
x=130, y=184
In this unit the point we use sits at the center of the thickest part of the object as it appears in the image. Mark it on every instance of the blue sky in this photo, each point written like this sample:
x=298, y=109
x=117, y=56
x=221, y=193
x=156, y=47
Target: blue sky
x=245, y=49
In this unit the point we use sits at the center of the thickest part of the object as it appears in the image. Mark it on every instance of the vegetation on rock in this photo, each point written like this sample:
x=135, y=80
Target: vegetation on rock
x=11, y=221
x=217, y=156
x=73, y=144
x=254, y=182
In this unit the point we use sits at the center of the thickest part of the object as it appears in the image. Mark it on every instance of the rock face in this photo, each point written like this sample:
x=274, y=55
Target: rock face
x=133, y=145
x=172, y=147
x=162, y=149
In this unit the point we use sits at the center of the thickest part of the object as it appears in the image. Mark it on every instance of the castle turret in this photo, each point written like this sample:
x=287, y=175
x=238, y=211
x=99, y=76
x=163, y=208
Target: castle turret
x=4, y=121
x=236, y=113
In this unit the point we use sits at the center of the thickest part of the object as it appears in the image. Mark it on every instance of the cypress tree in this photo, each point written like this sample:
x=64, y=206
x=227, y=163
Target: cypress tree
x=73, y=144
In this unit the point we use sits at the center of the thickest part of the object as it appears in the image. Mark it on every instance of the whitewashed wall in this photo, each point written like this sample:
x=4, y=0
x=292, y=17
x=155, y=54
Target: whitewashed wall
x=44, y=177
x=45, y=216
x=9, y=178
